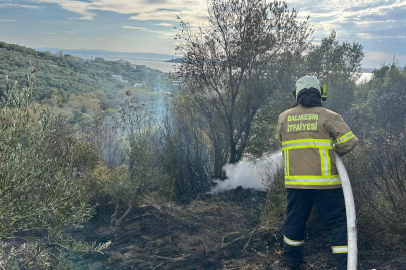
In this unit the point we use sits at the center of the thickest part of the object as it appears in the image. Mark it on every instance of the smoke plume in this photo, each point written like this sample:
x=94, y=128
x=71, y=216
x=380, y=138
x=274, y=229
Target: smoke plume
x=249, y=174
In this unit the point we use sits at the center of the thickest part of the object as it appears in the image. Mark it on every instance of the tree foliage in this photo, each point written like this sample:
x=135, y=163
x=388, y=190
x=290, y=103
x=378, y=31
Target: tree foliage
x=380, y=106
x=231, y=65
x=337, y=65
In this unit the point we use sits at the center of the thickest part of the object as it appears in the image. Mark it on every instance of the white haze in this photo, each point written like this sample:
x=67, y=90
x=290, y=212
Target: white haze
x=249, y=174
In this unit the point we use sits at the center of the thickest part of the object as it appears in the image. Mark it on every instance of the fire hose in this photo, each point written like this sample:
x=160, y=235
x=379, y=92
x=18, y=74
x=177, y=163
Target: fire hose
x=350, y=212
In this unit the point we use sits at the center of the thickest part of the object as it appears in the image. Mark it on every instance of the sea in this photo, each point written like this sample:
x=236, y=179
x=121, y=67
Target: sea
x=365, y=76
x=152, y=63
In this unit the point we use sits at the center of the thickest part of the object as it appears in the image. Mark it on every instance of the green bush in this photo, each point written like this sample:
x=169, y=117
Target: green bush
x=41, y=191
x=141, y=171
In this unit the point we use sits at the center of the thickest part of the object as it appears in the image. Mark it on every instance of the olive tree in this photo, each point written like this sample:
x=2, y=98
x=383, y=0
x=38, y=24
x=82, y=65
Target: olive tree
x=41, y=191
x=231, y=66
x=339, y=66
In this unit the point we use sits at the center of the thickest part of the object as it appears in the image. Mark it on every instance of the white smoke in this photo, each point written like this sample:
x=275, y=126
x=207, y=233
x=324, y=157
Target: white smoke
x=249, y=174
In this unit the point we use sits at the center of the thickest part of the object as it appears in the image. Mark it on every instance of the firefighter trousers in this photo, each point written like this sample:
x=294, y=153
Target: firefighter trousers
x=330, y=206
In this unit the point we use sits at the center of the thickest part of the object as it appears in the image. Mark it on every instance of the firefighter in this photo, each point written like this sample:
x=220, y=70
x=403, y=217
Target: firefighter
x=309, y=135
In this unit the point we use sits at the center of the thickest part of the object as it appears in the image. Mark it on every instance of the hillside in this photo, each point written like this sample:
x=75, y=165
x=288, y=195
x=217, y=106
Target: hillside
x=84, y=53
x=65, y=74
x=83, y=87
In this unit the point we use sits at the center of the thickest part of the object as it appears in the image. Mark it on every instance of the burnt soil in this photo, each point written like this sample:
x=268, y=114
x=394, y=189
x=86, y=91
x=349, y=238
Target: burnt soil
x=221, y=231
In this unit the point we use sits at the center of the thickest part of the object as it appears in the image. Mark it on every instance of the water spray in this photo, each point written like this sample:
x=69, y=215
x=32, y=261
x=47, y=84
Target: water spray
x=250, y=173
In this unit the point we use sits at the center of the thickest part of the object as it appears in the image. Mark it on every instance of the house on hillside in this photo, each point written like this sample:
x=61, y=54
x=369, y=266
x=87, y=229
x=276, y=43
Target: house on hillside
x=177, y=83
x=99, y=60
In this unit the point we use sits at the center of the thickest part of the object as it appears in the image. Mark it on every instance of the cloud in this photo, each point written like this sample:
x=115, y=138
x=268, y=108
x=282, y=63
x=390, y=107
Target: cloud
x=164, y=24
x=19, y=6
x=136, y=28
x=162, y=34
x=80, y=8
x=191, y=16
x=325, y=15
x=353, y=16
x=50, y=33
x=160, y=10
x=7, y=20
x=364, y=35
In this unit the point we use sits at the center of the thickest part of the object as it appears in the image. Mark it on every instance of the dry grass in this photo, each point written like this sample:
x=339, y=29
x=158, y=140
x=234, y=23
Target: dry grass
x=219, y=232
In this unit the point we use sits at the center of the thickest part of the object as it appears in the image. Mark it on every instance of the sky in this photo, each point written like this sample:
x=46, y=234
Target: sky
x=148, y=25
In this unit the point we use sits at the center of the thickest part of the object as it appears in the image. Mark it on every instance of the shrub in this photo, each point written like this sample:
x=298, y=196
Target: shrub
x=382, y=180
x=185, y=154
x=40, y=190
x=142, y=171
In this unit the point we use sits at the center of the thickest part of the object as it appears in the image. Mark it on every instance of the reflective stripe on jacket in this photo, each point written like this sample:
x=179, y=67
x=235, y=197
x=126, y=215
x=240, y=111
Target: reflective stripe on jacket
x=309, y=137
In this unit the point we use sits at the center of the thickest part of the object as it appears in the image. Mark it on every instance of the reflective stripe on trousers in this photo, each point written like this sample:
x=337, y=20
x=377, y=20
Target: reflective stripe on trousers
x=292, y=242
x=339, y=249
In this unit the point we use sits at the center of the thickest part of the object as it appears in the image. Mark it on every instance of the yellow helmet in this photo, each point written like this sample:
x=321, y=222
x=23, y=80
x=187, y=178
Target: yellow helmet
x=308, y=82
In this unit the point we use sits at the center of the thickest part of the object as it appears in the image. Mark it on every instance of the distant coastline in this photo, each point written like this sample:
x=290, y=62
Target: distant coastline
x=176, y=60
x=84, y=53
x=368, y=70
x=158, y=64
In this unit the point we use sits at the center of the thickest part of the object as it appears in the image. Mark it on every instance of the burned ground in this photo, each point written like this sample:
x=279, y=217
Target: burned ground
x=222, y=231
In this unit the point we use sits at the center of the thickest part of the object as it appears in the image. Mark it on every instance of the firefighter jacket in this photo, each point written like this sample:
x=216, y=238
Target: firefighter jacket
x=309, y=137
